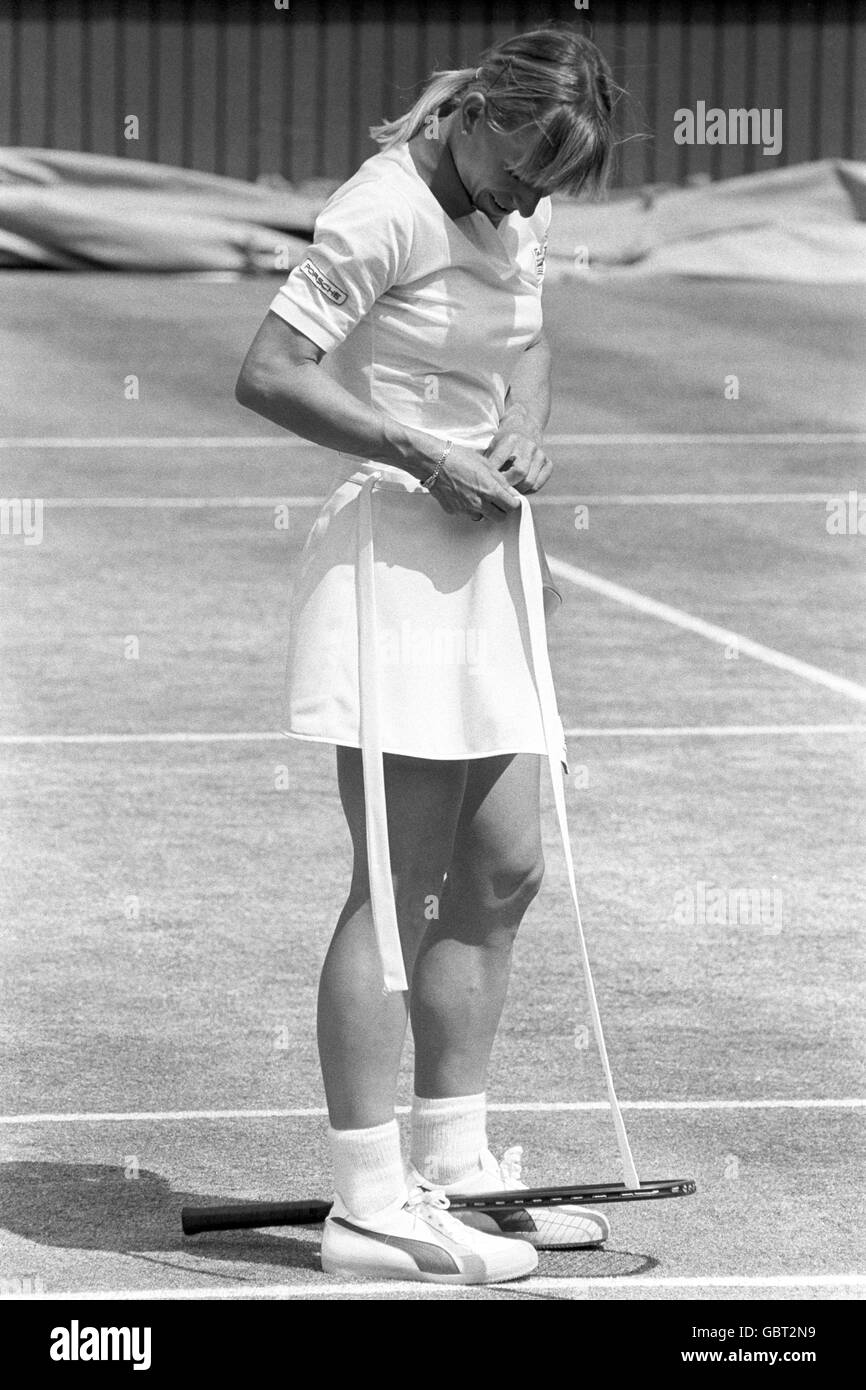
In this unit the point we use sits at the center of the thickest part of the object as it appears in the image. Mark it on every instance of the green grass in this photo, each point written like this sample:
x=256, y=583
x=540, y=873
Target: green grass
x=202, y=995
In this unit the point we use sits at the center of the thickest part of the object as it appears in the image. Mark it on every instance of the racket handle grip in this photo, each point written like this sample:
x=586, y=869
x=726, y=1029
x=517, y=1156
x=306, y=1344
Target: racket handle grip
x=247, y=1216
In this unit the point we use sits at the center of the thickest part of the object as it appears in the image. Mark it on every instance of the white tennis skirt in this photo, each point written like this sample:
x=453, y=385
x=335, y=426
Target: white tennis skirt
x=422, y=634
x=446, y=624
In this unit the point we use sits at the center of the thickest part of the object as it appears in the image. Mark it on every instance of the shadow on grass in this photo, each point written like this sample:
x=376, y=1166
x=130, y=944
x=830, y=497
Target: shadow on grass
x=91, y=1206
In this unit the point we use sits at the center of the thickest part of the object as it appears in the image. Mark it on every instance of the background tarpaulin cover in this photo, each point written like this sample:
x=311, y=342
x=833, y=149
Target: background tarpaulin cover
x=67, y=211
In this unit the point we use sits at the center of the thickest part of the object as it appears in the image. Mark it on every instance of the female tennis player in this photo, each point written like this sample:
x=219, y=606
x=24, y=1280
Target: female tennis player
x=409, y=341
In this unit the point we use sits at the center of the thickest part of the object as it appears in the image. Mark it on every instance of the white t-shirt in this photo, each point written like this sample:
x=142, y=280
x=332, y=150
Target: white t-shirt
x=421, y=316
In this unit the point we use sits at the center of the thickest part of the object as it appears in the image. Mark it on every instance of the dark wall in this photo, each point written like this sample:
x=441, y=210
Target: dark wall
x=244, y=88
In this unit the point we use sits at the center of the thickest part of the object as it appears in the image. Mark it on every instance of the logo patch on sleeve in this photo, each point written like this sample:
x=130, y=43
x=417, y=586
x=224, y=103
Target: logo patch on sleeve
x=321, y=282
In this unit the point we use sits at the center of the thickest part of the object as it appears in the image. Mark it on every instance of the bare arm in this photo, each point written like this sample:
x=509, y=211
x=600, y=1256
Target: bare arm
x=527, y=403
x=280, y=379
x=516, y=448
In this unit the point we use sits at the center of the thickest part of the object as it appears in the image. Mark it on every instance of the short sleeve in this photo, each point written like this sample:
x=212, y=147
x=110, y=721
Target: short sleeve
x=541, y=227
x=361, y=247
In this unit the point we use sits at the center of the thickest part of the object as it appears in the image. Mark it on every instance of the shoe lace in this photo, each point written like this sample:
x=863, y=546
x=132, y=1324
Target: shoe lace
x=427, y=1197
x=511, y=1164
x=431, y=1205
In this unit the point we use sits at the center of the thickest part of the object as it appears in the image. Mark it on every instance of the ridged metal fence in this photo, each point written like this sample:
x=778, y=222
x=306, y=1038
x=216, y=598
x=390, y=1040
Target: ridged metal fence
x=247, y=88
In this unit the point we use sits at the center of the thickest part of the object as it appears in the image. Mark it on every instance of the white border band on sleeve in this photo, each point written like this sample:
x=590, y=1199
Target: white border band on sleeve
x=286, y=309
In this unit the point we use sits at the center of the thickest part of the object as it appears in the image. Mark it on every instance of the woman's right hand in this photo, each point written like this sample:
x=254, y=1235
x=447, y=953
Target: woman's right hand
x=468, y=485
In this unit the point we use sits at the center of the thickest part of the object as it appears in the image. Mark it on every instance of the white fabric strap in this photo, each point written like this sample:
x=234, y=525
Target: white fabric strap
x=375, y=806
x=378, y=854
x=530, y=573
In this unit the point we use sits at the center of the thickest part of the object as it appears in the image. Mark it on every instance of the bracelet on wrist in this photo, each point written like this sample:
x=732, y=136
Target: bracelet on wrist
x=428, y=482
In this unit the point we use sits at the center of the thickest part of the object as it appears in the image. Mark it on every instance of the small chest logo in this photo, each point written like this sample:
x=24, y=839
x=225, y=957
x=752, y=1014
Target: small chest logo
x=539, y=254
x=321, y=282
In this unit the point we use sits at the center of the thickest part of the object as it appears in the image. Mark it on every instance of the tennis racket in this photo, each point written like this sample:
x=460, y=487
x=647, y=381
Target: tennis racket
x=248, y=1216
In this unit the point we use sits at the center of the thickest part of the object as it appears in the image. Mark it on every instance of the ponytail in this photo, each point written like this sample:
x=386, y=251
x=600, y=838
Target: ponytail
x=443, y=90
x=552, y=82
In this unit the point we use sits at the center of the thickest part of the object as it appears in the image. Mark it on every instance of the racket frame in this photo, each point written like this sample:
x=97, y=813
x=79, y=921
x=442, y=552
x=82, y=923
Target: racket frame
x=248, y=1216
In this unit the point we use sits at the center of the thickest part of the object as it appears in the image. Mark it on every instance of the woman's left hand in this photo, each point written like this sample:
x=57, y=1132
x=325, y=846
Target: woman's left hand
x=517, y=454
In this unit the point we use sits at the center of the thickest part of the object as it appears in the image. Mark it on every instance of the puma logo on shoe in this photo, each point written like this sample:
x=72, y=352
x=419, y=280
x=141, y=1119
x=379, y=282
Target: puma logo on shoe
x=430, y=1259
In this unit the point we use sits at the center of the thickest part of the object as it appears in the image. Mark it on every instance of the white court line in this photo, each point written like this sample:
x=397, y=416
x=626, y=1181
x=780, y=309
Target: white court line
x=504, y=1108
x=723, y=636
x=622, y=499
x=638, y=731
x=717, y=731
x=397, y=1286
x=290, y=441
x=11, y=740
x=682, y=499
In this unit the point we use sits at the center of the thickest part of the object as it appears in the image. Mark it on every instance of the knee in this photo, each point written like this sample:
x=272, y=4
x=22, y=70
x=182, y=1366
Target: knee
x=504, y=887
x=522, y=882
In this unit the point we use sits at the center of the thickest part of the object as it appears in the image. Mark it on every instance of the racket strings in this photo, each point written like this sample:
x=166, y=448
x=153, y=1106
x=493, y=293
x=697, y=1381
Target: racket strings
x=563, y=1227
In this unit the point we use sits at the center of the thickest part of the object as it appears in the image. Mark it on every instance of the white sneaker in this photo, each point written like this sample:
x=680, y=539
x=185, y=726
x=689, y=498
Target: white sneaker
x=417, y=1238
x=546, y=1228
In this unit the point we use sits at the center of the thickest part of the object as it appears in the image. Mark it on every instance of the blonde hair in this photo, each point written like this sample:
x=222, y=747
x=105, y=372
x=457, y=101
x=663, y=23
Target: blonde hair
x=553, y=79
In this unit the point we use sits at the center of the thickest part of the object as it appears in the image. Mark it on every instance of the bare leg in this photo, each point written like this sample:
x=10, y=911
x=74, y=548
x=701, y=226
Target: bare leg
x=461, y=974
x=360, y=1029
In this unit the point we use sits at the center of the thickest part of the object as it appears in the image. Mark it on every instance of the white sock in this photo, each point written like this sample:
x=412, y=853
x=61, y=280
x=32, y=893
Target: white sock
x=368, y=1167
x=448, y=1136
